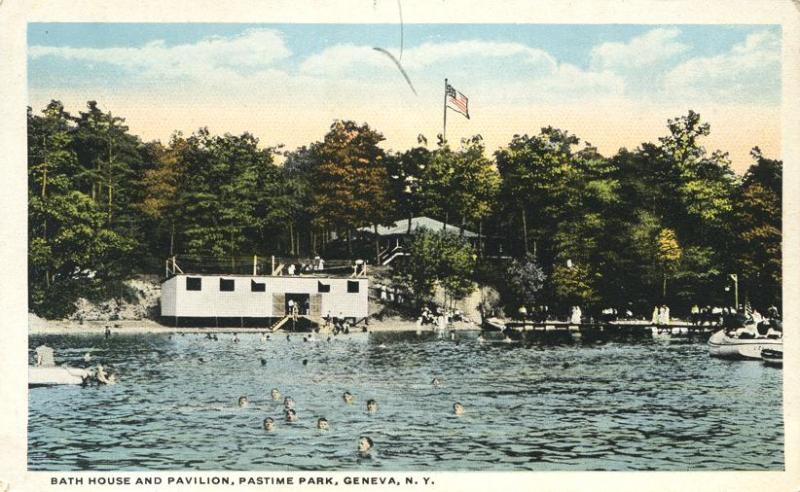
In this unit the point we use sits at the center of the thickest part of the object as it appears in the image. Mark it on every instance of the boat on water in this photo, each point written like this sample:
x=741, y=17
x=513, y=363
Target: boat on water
x=772, y=357
x=734, y=347
x=39, y=376
x=493, y=324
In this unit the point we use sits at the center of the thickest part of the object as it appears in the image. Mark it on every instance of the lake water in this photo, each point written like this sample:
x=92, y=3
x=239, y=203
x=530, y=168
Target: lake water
x=611, y=406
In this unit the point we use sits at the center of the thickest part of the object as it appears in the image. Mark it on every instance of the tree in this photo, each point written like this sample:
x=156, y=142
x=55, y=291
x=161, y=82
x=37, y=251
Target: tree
x=72, y=251
x=526, y=279
x=759, y=236
x=350, y=180
x=573, y=285
x=438, y=258
x=532, y=171
x=668, y=255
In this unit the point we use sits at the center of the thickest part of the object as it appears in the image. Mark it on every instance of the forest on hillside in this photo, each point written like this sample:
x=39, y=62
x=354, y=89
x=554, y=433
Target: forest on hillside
x=668, y=221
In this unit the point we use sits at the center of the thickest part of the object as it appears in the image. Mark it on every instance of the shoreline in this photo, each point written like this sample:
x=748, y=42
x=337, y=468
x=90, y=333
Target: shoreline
x=39, y=326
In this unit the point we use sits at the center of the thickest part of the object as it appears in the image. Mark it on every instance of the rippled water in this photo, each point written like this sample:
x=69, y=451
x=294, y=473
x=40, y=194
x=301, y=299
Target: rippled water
x=626, y=406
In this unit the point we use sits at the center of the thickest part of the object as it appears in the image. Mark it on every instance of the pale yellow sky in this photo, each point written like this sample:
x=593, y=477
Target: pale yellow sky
x=609, y=126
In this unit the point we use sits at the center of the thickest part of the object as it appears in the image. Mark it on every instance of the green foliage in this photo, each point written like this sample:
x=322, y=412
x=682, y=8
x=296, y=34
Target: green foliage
x=573, y=285
x=665, y=222
x=438, y=258
x=526, y=279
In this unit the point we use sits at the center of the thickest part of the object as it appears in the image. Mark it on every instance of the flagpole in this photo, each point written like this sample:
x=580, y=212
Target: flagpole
x=444, y=128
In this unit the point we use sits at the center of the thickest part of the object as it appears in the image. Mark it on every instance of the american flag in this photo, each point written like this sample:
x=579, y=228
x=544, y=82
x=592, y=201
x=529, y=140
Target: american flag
x=457, y=101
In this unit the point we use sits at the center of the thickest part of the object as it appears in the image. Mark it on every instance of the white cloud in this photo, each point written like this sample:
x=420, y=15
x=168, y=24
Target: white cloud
x=651, y=48
x=343, y=58
x=254, y=49
x=749, y=71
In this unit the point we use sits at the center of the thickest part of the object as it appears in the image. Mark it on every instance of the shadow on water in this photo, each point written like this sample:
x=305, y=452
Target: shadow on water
x=531, y=404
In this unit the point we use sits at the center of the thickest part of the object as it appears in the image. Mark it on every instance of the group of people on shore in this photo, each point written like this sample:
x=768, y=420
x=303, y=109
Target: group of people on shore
x=438, y=317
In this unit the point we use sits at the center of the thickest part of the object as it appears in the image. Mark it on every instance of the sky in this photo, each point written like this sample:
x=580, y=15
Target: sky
x=612, y=85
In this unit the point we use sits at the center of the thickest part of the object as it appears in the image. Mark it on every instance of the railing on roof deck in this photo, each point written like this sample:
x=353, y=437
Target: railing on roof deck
x=256, y=265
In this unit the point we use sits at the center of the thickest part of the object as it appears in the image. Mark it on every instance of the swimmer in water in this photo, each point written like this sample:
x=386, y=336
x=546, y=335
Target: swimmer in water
x=291, y=415
x=235, y=337
x=305, y=362
x=263, y=361
x=347, y=397
x=276, y=394
x=288, y=339
x=322, y=424
x=365, y=445
x=458, y=408
x=269, y=424
x=436, y=382
x=372, y=406
x=288, y=403
x=243, y=401
x=480, y=338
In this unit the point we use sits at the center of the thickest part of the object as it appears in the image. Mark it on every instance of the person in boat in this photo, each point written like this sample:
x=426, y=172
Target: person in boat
x=269, y=424
x=275, y=394
x=372, y=406
x=322, y=424
x=288, y=403
x=348, y=397
x=365, y=445
x=458, y=408
x=243, y=401
x=291, y=415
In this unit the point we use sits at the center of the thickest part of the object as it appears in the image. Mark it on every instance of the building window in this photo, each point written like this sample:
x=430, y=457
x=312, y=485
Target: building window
x=323, y=287
x=352, y=286
x=226, y=285
x=194, y=283
x=257, y=286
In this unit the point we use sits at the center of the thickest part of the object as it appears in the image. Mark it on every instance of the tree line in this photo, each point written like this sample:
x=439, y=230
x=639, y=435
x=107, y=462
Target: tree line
x=665, y=222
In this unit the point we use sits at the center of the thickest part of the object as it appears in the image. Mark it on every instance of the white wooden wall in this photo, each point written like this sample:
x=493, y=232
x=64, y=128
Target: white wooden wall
x=242, y=302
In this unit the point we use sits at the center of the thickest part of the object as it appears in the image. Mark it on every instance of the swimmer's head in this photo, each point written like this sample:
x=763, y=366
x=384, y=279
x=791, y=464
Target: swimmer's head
x=365, y=444
x=458, y=408
x=269, y=424
x=291, y=415
x=275, y=393
x=347, y=397
x=288, y=402
x=372, y=406
x=243, y=401
x=322, y=424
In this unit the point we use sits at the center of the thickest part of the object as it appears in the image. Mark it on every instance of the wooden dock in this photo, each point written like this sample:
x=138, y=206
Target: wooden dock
x=635, y=329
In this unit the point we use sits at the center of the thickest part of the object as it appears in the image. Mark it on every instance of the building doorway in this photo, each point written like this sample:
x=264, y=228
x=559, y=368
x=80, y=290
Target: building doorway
x=302, y=301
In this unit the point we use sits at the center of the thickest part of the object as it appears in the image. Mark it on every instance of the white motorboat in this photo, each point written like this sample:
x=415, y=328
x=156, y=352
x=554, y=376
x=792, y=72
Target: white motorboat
x=55, y=375
x=732, y=347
